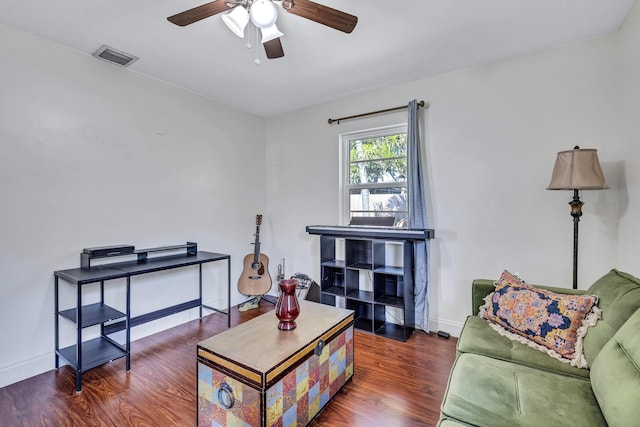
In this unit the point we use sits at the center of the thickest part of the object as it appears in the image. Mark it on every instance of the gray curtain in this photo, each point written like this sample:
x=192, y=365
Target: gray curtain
x=417, y=217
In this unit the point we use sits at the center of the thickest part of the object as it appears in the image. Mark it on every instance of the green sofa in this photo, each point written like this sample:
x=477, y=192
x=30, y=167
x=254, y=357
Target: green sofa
x=498, y=382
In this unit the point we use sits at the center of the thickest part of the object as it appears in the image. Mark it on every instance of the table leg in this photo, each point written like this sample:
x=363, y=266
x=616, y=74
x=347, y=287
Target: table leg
x=128, y=325
x=200, y=287
x=79, y=340
x=229, y=292
x=56, y=320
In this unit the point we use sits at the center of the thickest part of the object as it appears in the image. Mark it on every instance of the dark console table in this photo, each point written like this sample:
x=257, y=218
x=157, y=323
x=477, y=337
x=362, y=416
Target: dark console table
x=389, y=286
x=85, y=355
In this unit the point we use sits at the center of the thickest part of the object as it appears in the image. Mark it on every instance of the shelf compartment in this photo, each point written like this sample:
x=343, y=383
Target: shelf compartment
x=363, y=324
x=389, y=289
x=327, y=249
x=383, y=327
x=379, y=254
x=93, y=314
x=363, y=314
x=394, y=331
x=365, y=318
x=358, y=285
x=95, y=352
x=359, y=254
x=332, y=280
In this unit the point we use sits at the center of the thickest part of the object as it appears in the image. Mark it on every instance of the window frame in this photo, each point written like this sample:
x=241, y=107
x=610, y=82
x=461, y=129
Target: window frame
x=345, y=185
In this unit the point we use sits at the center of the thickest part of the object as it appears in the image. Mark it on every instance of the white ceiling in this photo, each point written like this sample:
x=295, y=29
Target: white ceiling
x=393, y=42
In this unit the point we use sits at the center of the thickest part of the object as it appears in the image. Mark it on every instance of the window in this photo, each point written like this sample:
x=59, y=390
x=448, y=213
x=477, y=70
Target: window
x=374, y=174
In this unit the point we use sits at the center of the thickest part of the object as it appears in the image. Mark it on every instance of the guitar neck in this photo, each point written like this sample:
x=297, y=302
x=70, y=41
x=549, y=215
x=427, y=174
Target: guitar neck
x=256, y=248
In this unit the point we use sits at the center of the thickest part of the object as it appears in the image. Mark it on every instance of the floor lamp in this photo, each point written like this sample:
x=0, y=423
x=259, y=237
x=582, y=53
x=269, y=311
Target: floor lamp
x=577, y=169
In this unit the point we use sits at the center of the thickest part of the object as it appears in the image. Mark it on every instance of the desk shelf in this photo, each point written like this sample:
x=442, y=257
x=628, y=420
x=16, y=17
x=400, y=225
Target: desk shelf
x=93, y=314
x=95, y=352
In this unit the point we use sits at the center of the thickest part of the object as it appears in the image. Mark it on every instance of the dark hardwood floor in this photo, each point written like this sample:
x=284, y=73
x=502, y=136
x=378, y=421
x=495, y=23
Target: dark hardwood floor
x=394, y=384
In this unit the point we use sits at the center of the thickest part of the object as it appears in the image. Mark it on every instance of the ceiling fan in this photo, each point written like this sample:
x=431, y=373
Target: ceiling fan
x=263, y=14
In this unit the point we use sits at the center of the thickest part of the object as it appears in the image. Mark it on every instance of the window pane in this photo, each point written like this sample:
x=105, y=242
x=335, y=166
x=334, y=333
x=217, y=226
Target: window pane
x=391, y=201
x=392, y=170
x=378, y=159
x=379, y=147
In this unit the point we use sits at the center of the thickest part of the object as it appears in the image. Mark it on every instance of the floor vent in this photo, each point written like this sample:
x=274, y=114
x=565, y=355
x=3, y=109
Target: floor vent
x=115, y=56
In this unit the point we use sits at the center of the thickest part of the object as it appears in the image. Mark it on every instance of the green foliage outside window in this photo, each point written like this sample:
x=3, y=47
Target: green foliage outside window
x=378, y=159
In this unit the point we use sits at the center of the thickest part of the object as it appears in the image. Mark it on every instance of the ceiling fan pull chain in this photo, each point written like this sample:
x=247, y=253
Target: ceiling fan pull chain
x=255, y=31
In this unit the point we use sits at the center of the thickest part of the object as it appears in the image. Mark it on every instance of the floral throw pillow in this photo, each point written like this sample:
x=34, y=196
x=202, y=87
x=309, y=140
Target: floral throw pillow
x=550, y=322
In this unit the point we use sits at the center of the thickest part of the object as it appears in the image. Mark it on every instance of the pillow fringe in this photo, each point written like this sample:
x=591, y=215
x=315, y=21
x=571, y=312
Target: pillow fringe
x=590, y=320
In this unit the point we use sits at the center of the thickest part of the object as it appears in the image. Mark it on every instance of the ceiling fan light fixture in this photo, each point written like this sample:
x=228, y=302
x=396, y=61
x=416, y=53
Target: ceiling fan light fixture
x=263, y=13
x=236, y=20
x=270, y=33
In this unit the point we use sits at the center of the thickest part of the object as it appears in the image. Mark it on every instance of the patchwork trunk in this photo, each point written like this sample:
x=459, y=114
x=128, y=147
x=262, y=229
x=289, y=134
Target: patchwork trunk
x=257, y=375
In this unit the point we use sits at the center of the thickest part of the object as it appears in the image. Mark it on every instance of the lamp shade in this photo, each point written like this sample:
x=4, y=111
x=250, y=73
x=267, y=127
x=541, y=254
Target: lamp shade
x=237, y=20
x=577, y=169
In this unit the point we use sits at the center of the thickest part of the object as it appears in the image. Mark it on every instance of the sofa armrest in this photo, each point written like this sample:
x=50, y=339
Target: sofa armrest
x=480, y=288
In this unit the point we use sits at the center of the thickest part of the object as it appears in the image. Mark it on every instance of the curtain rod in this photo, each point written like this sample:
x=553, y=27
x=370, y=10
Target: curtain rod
x=420, y=104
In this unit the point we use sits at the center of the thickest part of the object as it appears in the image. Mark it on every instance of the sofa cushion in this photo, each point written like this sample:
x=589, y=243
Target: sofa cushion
x=484, y=391
x=479, y=338
x=615, y=375
x=619, y=297
x=547, y=321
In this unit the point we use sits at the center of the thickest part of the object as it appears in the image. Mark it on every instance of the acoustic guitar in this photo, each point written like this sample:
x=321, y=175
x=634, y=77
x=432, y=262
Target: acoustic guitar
x=255, y=279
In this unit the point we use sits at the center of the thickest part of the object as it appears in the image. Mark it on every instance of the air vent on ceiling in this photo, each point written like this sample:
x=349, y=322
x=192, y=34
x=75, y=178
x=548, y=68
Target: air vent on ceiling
x=115, y=56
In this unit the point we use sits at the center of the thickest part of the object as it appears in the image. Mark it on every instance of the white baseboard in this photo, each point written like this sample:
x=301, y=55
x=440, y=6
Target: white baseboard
x=453, y=328
x=26, y=369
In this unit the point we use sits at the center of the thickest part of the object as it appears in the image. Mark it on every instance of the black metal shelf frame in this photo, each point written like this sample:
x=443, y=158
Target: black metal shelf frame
x=94, y=352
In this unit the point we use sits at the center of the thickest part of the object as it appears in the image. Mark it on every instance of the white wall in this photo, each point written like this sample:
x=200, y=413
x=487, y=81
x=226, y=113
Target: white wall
x=93, y=155
x=492, y=133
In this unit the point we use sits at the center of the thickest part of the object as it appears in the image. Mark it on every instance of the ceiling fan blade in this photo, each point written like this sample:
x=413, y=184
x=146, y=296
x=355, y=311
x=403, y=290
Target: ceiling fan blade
x=324, y=15
x=273, y=49
x=197, y=13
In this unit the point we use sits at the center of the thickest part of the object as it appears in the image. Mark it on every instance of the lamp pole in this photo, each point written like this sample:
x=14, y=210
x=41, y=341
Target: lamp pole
x=576, y=213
